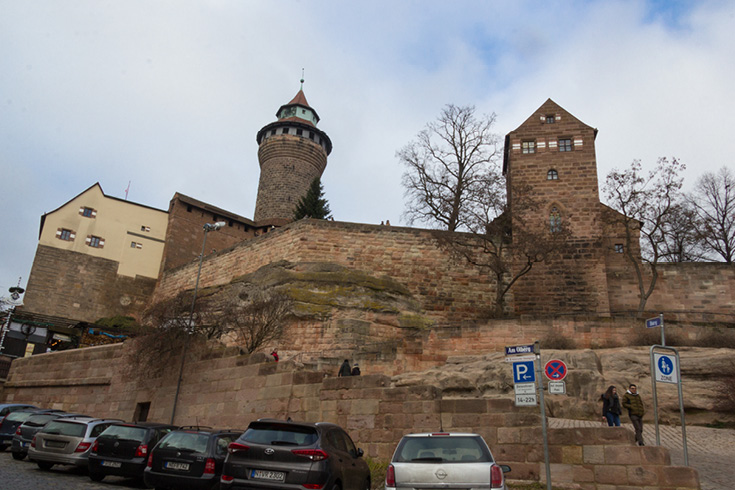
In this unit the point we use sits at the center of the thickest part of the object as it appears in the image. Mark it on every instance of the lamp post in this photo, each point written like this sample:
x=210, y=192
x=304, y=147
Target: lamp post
x=10, y=304
x=189, y=327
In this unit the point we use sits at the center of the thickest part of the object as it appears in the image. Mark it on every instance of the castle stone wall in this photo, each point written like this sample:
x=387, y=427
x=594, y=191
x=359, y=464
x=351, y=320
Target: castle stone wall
x=82, y=287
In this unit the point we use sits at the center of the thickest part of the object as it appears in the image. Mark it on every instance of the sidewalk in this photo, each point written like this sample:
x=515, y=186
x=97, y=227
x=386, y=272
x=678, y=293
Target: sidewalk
x=711, y=451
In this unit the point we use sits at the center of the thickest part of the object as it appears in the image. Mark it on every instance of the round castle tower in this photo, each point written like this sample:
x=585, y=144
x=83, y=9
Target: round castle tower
x=292, y=153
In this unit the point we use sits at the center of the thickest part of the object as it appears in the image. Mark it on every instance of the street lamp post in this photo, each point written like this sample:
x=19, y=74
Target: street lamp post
x=189, y=327
x=10, y=304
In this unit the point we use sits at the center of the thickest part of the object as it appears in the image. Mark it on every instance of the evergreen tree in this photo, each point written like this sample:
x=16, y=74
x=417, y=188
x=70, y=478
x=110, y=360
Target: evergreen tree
x=313, y=204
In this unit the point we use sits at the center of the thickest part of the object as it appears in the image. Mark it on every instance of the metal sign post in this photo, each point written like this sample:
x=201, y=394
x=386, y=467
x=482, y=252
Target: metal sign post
x=657, y=321
x=537, y=351
x=666, y=369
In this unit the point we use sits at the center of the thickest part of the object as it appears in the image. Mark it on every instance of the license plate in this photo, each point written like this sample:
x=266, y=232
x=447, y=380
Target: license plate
x=267, y=475
x=173, y=465
x=112, y=464
x=56, y=444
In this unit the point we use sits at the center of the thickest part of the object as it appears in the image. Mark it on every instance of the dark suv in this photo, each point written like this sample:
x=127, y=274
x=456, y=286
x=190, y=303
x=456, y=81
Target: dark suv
x=122, y=449
x=189, y=458
x=280, y=454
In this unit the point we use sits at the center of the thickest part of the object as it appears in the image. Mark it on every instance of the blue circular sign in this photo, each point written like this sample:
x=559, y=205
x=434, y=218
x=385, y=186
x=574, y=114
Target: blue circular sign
x=555, y=370
x=665, y=366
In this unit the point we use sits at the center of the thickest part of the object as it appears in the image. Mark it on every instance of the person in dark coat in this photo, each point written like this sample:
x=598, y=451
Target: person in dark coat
x=345, y=369
x=611, y=409
x=633, y=402
x=355, y=370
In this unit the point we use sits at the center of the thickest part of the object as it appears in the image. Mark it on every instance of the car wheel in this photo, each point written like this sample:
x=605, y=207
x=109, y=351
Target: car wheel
x=19, y=456
x=44, y=465
x=336, y=487
x=96, y=476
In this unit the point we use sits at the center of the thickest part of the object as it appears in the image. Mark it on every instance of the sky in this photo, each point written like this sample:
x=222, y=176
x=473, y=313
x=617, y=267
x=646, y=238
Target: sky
x=168, y=95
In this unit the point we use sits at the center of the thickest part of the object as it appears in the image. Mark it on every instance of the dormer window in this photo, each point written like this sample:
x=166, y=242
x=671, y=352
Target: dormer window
x=528, y=146
x=552, y=175
x=550, y=119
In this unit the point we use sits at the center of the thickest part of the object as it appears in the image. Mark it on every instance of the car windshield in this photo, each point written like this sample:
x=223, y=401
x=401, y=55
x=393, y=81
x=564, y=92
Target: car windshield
x=124, y=432
x=185, y=441
x=18, y=416
x=279, y=434
x=40, y=420
x=459, y=449
x=64, y=428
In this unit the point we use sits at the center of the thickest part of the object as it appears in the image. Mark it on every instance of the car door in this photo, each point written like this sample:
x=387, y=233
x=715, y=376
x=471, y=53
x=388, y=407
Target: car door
x=346, y=458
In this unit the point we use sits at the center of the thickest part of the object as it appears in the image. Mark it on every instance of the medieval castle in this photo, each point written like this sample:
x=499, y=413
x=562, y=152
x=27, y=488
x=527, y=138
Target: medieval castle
x=100, y=256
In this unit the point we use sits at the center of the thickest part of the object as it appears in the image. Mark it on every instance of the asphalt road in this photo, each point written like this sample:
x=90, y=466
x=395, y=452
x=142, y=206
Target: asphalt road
x=24, y=475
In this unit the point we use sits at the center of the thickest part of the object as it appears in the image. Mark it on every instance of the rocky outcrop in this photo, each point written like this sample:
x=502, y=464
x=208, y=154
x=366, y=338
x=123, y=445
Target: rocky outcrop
x=590, y=373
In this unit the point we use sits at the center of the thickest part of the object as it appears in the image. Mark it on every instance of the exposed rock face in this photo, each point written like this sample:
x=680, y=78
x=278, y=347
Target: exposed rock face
x=590, y=372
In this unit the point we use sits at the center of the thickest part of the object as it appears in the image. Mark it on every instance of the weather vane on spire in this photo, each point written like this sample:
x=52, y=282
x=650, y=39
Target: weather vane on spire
x=302, y=79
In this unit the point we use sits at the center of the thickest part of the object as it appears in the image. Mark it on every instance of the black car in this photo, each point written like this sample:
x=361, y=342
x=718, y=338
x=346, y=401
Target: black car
x=9, y=424
x=30, y=426
x=122, y=449
x=189, y=459
x=280, y=454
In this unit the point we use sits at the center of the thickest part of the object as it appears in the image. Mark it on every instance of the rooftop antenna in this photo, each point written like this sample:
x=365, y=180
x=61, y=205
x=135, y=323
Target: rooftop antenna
x=302, y=79
x=126, y=190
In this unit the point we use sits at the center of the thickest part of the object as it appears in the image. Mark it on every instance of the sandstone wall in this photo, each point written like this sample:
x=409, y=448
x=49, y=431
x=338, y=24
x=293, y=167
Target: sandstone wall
x=82, y=287
x=447, y=289
x=703, y=291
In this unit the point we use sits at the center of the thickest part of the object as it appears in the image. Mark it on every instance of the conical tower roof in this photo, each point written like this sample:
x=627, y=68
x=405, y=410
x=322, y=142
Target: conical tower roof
x=291, y=112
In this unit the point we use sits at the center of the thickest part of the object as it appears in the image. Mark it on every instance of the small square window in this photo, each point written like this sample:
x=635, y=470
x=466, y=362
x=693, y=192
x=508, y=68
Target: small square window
x=87, y=212
x=132, y=244
x=551, y=119
x=619, y=248
x=565, y=144
x=528, y=146
x=145, y=228
x=65, y=235
x=299, y=132
x=284, y=131
x=95, y=241
x=552, y=175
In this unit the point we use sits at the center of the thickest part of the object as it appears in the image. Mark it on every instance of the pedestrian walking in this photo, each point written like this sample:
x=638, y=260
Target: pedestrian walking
x=345, y=369
x=355, y=370
x=611, y=407
x=633, y=402
x=275, y=354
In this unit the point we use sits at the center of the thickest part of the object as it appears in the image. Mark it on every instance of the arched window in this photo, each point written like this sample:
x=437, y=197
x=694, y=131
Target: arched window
x=554, y=220
x=552, y=175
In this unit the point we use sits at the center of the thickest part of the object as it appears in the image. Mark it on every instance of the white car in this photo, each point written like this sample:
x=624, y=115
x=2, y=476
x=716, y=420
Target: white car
x=444, y=460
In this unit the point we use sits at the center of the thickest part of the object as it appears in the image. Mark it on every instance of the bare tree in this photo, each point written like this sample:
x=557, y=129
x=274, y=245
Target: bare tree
x=445, y=167
x=713, y=200
x=506, y=241
x=645, y=206
x=681, y=239
x=258, y=320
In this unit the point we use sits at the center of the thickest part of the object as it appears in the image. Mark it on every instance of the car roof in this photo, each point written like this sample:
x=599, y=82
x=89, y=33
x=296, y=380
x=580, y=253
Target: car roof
x=443, y=434
x=86, y=419
x=298, y=424
x=206, y=430
x=148, y=425
x=5, y=405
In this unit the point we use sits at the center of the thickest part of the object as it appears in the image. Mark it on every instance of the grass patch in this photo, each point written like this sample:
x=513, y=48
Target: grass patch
x=377, y=472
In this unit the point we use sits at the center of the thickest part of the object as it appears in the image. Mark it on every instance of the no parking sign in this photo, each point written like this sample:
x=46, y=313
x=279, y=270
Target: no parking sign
x=555, y=370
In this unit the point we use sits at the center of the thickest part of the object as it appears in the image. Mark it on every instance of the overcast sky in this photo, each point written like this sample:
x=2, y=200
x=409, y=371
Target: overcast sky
x=169, y=94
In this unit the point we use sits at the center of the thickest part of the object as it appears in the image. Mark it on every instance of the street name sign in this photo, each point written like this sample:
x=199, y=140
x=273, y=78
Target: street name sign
x=654, y=322
x=518, y=349
x=666, y=371
x=530, y=357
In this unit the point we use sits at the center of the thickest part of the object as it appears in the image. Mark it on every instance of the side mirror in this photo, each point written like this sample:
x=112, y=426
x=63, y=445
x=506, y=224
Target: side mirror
x=360, y=452
x=505, y=468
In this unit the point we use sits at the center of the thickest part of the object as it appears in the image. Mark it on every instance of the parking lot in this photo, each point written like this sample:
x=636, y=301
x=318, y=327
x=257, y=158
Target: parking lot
x=24, y=475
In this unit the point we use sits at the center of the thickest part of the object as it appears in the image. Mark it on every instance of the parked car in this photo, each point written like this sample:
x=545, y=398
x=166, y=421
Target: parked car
x=189, y=459
x=6, y=408
x=295, y=455
x=9, y=424
x=444, y=460
x=26, y=430
x=66, y=441
x=122, y=449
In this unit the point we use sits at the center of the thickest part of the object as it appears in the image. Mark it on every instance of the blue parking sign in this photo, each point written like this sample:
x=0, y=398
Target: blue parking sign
x=523, y=372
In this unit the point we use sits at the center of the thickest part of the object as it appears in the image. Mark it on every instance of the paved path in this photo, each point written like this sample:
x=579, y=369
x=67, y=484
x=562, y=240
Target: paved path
x=711, y=451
